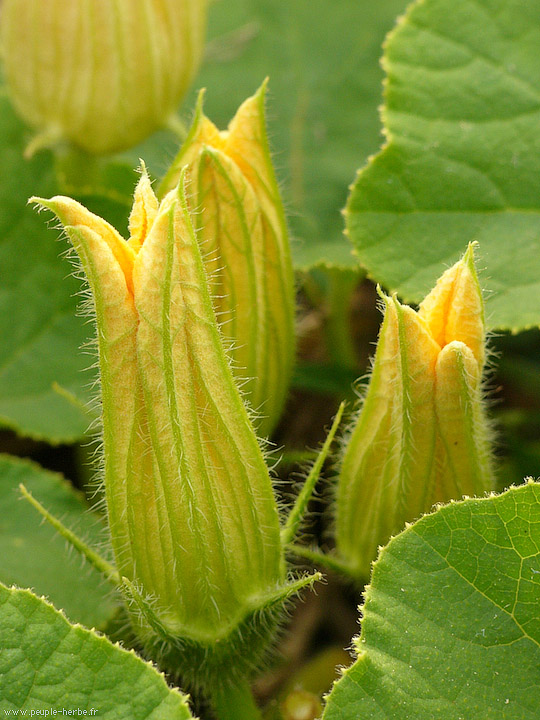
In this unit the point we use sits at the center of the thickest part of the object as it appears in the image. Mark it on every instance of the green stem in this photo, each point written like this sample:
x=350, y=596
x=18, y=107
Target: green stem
x=42, y=141
x=297, y=513
x=341, y=285
x=235, y=702
x=328, y=561
x=176, y=125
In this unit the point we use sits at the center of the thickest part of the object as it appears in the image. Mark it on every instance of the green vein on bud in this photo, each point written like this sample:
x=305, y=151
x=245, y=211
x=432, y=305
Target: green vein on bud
x=215, y=483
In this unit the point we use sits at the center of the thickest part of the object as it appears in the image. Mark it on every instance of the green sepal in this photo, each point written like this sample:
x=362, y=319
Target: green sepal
x=224, y=660
x=290, y=529
x=218, y=662
x=99, y=563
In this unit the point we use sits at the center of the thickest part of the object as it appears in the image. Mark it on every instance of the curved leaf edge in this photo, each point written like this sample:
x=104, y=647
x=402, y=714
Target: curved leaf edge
x=96, y=635
x=356, y=650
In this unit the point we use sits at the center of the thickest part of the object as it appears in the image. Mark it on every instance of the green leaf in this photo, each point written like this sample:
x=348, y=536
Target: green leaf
x=32, y=554
x=325, y=86
x=462, y=162
x=41, y=334
x=48, y=664
x=451, y=626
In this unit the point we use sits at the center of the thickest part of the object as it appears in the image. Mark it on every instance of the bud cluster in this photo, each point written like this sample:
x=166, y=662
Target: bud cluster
x=198, y=301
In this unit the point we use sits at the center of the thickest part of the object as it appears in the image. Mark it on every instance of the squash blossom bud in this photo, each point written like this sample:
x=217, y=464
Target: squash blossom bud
x=100, y=74
x=421, y=436
x=242, y=230
x=192, y=515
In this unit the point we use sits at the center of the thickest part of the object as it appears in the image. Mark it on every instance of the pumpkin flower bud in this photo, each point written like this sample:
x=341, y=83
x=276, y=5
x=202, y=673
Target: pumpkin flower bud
x=102, y=75
x=421, y=436
x=242, y=230
x=192, y=515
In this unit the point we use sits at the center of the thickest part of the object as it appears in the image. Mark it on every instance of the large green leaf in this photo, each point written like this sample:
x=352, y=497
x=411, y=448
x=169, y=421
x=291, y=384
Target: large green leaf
x=40, y=333
x=451, y=627
x=462, y=162
x=32, y=554
x=46, y=664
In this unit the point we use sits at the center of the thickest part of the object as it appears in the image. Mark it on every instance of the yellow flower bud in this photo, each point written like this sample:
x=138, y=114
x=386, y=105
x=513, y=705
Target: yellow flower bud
x=243, y=234
x=192, y=515
x=100, y=74
x=421, y=436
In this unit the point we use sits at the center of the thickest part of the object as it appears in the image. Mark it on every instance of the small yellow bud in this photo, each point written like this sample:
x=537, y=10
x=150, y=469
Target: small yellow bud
x=242, y=229
x=454, y=309
x=421, y=436
x=192, y=515
x=100, y=74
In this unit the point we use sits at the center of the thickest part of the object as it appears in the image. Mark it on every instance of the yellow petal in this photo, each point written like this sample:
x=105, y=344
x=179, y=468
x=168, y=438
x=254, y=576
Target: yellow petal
x=143, y=213
x=73, y=214
x=247, y=144
x=454, y=309
x=256, y=283
x=202, y=132
x=116, y=321
x=233, y=244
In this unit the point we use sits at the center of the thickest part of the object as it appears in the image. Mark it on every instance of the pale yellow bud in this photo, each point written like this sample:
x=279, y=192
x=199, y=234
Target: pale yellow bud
x=421, y=436
x=100, y=74
x=192, y=515
x=243, y=235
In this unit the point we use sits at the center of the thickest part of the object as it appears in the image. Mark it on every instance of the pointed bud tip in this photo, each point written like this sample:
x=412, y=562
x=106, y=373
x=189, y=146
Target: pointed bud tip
x=468, y=255
x=142, y=169
x=41, y=202
x=260, y=93
x=55, y=204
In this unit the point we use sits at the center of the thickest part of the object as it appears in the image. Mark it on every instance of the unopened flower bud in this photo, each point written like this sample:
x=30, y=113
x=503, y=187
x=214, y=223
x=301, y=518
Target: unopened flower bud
x=100, y=74
x=421, y=436
x=242, y=229
x=192, y=515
